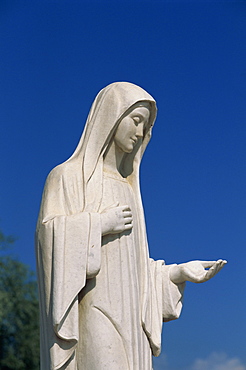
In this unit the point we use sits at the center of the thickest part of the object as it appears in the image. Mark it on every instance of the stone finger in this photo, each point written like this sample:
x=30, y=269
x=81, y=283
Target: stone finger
x=128, y=220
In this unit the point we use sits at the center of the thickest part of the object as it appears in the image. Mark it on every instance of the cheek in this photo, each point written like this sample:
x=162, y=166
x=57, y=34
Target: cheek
x=126, y=129
x=130, y=128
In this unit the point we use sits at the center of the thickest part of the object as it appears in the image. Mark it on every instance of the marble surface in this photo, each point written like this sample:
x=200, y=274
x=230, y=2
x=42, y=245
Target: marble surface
x=102, y=298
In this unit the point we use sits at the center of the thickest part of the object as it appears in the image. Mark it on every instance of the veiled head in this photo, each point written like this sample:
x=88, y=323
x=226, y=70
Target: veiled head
x=110, y=107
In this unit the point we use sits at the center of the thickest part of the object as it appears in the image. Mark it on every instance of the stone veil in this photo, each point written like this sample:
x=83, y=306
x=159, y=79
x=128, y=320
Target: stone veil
x=102, y=299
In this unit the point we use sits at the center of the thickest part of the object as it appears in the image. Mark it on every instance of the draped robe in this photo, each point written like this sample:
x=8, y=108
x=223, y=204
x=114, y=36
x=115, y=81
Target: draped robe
x=102, y=299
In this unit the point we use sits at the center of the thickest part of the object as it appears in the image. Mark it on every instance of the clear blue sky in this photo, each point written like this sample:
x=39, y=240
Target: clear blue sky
x=191, y=56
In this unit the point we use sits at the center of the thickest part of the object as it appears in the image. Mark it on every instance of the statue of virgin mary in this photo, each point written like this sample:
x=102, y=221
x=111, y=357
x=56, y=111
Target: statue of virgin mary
x=102, y=298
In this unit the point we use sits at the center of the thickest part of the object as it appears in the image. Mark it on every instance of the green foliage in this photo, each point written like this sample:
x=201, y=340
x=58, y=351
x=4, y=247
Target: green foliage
x=19, y=316
x=5, y=241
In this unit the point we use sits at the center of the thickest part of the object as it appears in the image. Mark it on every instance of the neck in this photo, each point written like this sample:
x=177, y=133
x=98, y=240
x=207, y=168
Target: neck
x=113, y=158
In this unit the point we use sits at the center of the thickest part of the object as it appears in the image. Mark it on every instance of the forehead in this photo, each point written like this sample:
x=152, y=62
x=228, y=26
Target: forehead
x=143, y=111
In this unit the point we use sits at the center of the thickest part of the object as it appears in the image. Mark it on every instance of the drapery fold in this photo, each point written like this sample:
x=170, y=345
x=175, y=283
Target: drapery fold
x=71, y=254
x=69, y=240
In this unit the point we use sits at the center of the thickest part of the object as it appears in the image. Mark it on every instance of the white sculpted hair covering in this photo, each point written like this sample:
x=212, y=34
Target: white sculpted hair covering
x=109, y=107
x=71, y=199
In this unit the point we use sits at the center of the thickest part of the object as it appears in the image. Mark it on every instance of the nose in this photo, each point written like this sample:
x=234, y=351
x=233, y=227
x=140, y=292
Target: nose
x=140, y=129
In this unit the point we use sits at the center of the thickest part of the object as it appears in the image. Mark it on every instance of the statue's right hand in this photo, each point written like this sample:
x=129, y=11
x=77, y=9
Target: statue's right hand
x=116, y=219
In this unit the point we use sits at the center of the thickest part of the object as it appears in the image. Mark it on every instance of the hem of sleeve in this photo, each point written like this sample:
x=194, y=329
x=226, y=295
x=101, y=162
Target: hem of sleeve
x=94, y=246
x=172, y=296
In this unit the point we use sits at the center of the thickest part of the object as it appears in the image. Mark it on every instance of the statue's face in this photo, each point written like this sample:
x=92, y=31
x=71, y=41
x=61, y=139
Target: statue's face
x=131, y=129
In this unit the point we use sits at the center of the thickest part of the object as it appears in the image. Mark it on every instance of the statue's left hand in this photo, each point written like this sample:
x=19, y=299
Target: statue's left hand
x=195, y=271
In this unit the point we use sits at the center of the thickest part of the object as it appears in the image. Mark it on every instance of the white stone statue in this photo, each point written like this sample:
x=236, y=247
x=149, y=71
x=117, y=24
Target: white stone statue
x=102, y=298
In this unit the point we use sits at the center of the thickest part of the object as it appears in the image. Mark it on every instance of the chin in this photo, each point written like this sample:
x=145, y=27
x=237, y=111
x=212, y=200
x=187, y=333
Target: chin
x=127, y=149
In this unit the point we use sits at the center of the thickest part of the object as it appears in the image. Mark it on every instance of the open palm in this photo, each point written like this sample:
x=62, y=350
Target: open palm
x=196, y=271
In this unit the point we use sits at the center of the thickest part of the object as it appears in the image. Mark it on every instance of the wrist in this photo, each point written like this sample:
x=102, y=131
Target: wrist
x=103, y=224
x=175, y=275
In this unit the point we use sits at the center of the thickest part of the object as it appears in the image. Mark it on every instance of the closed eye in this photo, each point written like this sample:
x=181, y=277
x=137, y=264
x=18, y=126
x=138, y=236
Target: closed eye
x=137, y=119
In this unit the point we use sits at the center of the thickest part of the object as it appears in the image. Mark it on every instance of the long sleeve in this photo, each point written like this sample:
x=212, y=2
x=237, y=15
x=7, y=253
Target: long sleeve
x=63, y=245
x=172, y=296
x=68, y=249
x=164, y=304
x=94, y=246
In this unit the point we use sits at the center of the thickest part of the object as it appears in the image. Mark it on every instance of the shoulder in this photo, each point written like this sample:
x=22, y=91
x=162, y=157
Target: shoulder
x=63, y=171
